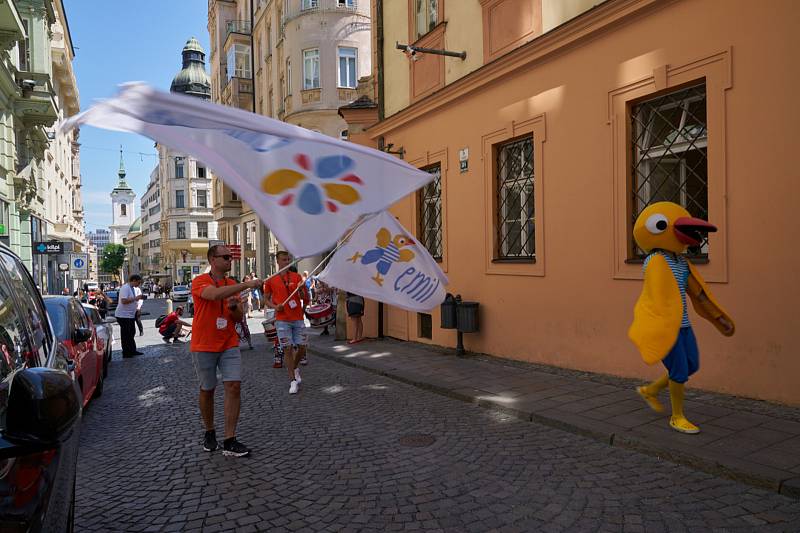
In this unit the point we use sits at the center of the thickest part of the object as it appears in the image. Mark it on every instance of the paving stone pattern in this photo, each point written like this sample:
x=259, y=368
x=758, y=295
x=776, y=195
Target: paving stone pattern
x=747, y=440
x=330, y=459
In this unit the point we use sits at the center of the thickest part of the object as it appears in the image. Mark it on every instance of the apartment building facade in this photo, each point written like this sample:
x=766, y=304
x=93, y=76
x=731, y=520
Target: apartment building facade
x=39, y=167
x=293, y=60
x=548, y=125
x=186, y=223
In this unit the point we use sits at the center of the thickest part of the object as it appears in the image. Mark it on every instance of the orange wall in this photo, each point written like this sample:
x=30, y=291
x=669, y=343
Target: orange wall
x=576, y=315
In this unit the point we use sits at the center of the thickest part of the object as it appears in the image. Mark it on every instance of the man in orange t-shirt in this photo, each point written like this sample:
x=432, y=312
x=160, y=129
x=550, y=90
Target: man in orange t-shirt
x=215, y=344
x=289, y=319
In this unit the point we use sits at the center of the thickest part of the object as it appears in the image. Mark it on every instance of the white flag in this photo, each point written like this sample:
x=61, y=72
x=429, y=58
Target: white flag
x=308, y=188
x=382, y=261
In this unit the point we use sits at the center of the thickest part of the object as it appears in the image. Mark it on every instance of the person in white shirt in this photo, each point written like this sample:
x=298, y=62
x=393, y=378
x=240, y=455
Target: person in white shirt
x=126, y=314
x=139, y=303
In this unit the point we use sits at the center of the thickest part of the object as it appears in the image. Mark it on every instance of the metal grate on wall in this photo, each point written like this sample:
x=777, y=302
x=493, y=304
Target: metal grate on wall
x=669, y=155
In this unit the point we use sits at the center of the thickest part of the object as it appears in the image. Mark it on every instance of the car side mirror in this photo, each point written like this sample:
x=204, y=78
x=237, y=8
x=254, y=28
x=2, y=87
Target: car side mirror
x=82, y=335
x=43, y=403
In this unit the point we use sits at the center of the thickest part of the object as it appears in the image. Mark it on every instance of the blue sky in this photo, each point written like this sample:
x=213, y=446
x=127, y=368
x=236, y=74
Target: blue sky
x=117, y=41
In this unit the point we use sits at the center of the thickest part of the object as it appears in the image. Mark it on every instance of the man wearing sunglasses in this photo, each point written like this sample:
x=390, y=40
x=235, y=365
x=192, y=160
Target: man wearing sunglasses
x=215, y=344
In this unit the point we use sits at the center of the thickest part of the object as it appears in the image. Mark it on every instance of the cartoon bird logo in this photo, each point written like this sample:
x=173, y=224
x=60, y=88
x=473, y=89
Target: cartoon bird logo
x=388, y=251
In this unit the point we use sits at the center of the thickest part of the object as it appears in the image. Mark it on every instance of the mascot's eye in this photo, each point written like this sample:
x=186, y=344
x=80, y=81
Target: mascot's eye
x=656, y=224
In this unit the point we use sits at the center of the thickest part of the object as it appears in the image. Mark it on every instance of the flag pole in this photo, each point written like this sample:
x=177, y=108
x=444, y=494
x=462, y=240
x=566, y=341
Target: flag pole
x=338, y=245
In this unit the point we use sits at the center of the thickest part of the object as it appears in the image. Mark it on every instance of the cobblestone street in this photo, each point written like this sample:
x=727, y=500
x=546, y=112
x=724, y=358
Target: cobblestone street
x=351, y=453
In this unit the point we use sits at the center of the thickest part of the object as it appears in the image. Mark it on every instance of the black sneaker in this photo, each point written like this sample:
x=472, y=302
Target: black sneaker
x=210, y=441
x=234, y=448
x=177, y=341
x=166, y=339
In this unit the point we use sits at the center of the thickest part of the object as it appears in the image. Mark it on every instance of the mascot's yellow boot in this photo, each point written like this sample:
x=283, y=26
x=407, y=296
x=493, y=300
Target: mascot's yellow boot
x=678, y=422
x=649, y=393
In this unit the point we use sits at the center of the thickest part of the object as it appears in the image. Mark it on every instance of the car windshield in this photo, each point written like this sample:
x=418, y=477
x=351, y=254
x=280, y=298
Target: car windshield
x=58, y=317
x=180, y=288
x=112, y=294
x=93, y=315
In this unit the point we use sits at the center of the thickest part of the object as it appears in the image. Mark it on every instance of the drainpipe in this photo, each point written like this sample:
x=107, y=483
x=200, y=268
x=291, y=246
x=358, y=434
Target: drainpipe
x=379, y=58
x=252, y=55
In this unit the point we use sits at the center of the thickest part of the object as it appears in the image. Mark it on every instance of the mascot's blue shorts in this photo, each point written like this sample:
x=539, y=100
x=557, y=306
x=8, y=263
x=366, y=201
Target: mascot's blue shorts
x=684, y=358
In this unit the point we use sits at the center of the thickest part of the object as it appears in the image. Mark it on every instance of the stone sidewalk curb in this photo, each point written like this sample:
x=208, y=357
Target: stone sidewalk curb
x=714, y=463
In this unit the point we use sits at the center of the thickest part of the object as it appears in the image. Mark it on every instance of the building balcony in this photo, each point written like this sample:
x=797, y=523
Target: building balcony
x=336, y=7
x=35, y=102
x=241, y=27
x=227, y=212
x=311, y=96
x=347, y=95
x=11, y=28
x=238, y=92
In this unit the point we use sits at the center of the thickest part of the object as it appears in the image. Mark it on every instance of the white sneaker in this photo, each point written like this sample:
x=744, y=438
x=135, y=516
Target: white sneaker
x=297, y=376
x=293, y=388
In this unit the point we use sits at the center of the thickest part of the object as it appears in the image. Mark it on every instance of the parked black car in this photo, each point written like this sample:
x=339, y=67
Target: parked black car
x=40, y=410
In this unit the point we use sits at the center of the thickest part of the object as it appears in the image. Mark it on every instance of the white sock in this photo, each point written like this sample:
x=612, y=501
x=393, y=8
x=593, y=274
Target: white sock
x=297, y=376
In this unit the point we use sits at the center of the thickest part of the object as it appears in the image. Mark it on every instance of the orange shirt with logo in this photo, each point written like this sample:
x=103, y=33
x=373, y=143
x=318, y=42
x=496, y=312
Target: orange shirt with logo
x=205, y=335
x=279, y=288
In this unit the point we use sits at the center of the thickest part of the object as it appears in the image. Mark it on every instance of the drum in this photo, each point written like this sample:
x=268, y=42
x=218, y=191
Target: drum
x=321, y=315
x=270, y=331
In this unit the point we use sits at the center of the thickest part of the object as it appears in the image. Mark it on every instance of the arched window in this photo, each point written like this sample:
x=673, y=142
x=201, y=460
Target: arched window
x=122, y=209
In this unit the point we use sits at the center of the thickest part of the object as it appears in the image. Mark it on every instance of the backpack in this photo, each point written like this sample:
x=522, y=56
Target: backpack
x=160, y=320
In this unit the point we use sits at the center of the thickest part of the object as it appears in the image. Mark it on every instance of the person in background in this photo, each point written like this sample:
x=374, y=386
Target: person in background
x=172, y=326
x=355, y=312
x=126, y=315
x=101, y=301
x=139, y=305
x=289, y=316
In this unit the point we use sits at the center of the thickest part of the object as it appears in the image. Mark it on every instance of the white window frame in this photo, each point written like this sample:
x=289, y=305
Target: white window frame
x=311, y=69
x=308, y=4
x=205, y=198
x=178, y=227
x=239, y=61
x=348, y=65
x=182, y=197
x=199, y=232
x=426, y=16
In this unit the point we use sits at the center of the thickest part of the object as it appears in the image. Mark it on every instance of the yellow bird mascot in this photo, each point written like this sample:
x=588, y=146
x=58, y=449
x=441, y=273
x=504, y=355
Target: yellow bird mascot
x=661, y=329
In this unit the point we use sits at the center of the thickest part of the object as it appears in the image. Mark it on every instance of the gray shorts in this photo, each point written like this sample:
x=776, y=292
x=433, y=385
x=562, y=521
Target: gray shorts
x=206, y=363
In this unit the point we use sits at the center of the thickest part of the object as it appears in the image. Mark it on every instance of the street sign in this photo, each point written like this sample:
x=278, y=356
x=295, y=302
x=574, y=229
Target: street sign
x=63, y=267
x=463, y=160
x=48, y=247
x=79, y=266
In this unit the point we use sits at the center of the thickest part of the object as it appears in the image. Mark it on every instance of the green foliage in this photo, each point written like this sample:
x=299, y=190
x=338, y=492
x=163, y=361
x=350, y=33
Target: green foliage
x=112, y=258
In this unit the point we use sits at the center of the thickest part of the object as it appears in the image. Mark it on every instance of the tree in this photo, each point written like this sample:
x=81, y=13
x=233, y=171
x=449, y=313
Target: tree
x=112, y=259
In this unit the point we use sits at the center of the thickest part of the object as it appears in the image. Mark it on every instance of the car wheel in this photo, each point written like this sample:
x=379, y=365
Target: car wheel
x=98, y=390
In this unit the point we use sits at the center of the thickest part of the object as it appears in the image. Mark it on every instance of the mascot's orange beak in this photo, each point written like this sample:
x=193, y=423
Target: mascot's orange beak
x=688, y=230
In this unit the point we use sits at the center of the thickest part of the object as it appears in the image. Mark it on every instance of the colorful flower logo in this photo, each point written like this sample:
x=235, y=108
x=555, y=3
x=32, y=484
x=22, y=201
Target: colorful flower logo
x=316, y=193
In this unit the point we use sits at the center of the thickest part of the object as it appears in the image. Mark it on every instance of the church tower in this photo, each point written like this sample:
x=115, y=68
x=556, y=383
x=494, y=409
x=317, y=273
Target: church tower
x=123, y=206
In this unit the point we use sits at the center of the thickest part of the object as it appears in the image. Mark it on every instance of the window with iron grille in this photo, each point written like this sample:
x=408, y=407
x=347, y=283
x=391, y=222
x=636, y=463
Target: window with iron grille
x=430, y=213
x=515, y=212
x=669, y=155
